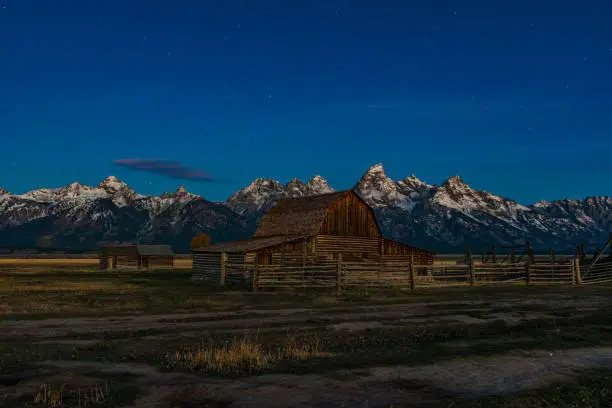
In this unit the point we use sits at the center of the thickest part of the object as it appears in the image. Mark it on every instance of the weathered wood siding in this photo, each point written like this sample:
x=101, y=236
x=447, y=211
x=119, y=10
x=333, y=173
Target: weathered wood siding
x=287, y=253
x=249, y=258
x=235, y=269
x=392, y=249
x=157, y=261
x=356, y=247
x=206, y=266
x=129, y=261
x=350, y=216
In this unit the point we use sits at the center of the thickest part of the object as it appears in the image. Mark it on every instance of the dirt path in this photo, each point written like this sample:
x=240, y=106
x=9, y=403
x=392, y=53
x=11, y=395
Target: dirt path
x=419, y=313
x=209, y=320
x=373, y=387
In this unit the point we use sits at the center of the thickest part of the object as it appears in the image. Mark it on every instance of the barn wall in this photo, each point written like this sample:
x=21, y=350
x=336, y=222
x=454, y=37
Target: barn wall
x=350, y=216
x=206, y=266
x=350, y=247
x=235, y=268
x=290, y=253
x=396, y=249
x=130, y=261
x=159, y=261
x=249, y=258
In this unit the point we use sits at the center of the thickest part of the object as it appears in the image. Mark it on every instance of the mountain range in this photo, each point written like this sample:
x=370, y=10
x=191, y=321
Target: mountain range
x=443, y=218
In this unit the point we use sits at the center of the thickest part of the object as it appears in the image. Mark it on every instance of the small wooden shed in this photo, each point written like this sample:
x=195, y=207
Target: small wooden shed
x=136, y=256
x=307, y=230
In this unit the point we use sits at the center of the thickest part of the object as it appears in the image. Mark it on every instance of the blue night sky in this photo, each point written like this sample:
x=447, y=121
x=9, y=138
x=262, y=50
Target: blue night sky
x=514, y=96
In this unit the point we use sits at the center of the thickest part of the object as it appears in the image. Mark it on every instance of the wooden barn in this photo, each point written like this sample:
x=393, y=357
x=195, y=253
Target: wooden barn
x=307, y=230
x=136, y=256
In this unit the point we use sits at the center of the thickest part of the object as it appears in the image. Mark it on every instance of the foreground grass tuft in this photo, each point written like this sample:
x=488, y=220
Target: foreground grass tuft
x=58, y=396
x=242, y=356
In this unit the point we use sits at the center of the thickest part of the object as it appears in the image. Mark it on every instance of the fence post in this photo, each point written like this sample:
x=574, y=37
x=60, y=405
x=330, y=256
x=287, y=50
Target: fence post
x=577, y=274
x=412, y=273
x=339, y=275
x=254, y=278
x=223, y=265
x=528, y=272
x=472, y=272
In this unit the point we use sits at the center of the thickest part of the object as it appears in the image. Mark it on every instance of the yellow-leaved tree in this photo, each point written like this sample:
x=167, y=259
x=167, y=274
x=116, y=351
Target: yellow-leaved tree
x=200, y=241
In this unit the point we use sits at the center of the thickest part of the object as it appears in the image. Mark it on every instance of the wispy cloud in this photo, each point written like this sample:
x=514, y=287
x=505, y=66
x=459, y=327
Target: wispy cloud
x=166, y=168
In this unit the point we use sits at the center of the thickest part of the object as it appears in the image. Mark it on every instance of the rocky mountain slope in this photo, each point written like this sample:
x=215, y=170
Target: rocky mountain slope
x=446, y=217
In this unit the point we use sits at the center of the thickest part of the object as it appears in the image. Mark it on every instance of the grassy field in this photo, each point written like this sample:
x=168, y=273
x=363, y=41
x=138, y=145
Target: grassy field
x=72, y=336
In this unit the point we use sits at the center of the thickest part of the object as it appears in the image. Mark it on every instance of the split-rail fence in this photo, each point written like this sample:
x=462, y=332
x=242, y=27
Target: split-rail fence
x=344, y=275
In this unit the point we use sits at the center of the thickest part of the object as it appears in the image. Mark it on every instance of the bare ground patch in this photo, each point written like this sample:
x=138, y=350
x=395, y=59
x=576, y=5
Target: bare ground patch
x=409, y=313
x=377, y=386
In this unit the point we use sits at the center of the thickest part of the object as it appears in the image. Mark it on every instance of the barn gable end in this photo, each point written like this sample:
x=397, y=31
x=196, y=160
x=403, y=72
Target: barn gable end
x=339, y=213
x=350, y=216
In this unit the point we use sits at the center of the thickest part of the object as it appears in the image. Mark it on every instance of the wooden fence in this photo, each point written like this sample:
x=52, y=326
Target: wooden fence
x=344, y=276
x=598, y=274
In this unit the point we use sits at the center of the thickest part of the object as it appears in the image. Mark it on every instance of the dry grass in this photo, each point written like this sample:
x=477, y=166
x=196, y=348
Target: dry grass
x=59, y=396
x=243, y=356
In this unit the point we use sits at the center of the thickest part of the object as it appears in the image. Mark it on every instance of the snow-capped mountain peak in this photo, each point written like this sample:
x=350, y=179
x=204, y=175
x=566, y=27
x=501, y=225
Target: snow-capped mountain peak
x=542, y=204
x=4, y=191
x=377, y=169
x=74, y=190
x=317, y=185
x=262, y=194
x=182, y=193
x=112, y=183
x=456, y=194
x=413, y=187
x=294, y=188
x=71, y=191
x=256, y=197
x=118, y=191
x=261, y=184
x=378, y=190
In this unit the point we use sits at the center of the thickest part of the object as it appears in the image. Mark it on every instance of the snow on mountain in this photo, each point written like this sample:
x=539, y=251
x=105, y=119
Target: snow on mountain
x=378, y=190
x=83, y=216
x=111, y=187
x=591, y=212
x=444, y=217
x=413, y=188
x=454, y=193
x=71, y=191
x=317, y=185
x=118, y=191
x=256, y=197
x=263, y=194
x=16, y=211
